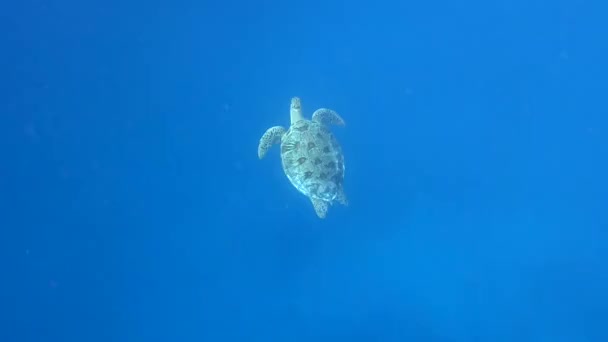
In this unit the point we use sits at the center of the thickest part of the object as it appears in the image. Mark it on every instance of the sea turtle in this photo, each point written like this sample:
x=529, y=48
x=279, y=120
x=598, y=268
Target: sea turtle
x=311, y=156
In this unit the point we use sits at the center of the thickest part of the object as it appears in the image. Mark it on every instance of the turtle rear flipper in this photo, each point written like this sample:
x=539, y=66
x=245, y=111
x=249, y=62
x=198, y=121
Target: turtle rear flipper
x=327, y=117
x=341, y=198
x=320, y=207
x=271, y=136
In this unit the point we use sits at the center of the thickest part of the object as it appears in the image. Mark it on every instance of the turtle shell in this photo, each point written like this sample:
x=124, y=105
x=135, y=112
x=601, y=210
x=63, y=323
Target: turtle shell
x=312, y=160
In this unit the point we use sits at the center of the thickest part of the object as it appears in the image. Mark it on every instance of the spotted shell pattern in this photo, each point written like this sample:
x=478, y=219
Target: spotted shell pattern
x=311, y=156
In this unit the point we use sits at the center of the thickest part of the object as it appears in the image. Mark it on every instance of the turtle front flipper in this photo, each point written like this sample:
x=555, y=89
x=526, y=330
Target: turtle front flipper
x=272, y=136
x=320, y=207
x=327, y=117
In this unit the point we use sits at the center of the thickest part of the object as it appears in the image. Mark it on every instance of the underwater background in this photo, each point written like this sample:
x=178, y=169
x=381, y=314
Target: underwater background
x=133, y=206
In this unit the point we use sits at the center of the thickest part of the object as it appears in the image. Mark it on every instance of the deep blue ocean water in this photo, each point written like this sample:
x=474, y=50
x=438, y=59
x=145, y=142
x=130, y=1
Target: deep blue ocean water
x=133, y=206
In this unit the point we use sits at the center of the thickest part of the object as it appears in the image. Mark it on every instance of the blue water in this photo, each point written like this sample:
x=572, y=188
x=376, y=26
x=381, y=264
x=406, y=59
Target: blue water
x=133, y=206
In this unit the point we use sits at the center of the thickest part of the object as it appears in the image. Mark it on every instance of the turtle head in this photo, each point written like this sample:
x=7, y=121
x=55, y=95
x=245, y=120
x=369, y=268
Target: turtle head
x=295, y=111
x=295, y=103
x=327, y=191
